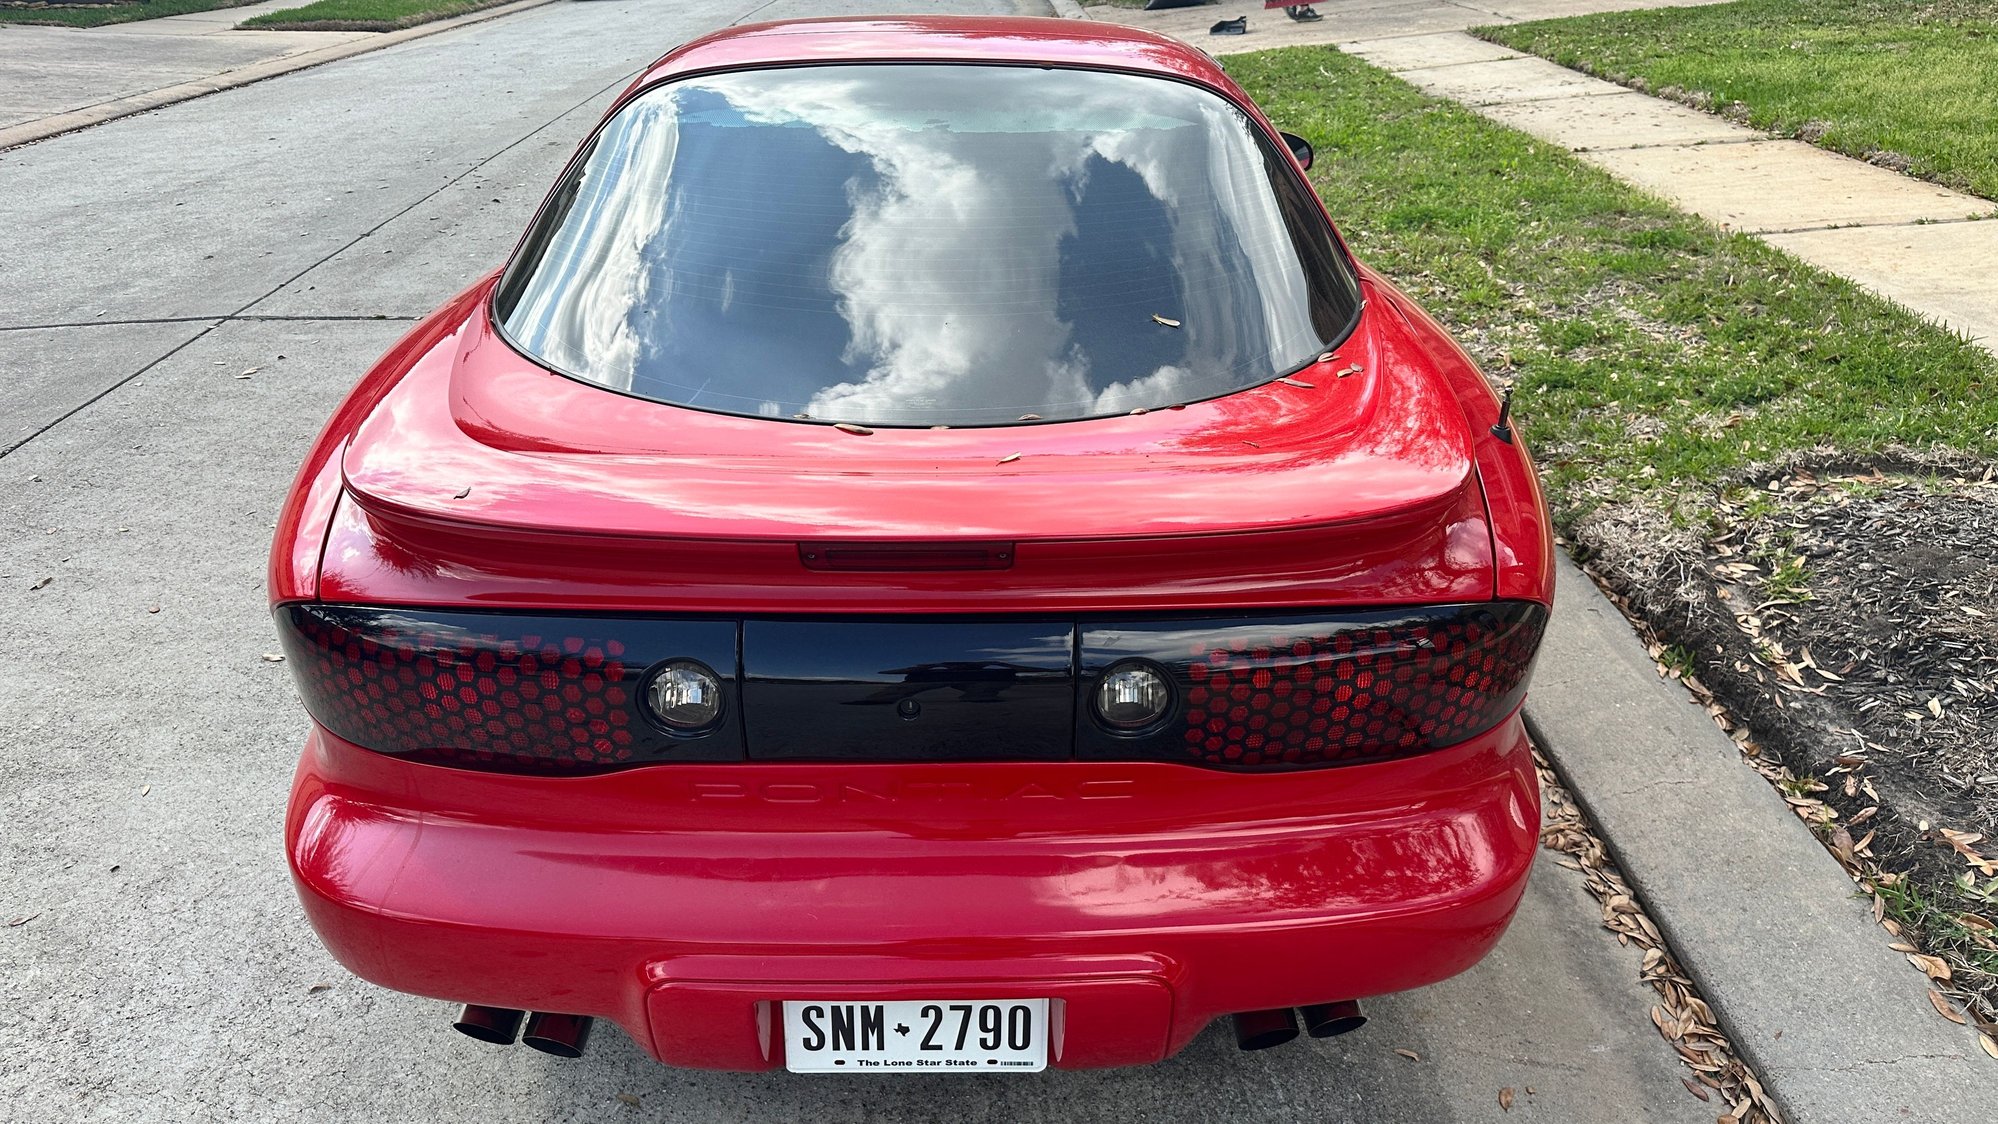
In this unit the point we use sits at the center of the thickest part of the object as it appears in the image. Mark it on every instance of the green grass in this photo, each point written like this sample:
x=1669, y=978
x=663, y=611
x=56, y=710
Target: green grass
x=1651, y=352
x=1908, y=83
x=367, y=15
x=98, y=15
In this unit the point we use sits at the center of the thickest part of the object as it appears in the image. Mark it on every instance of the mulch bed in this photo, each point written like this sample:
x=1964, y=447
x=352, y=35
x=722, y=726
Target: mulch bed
x=1842, y=621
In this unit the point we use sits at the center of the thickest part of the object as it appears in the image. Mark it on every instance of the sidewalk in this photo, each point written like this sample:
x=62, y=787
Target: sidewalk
x=55, y=79
x=1903, y=238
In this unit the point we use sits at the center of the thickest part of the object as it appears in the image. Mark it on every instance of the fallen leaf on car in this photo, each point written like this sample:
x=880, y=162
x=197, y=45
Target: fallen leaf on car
x=1167, y=321
x=1411, y=1055
x=463, y=494
x=1298, y=382
x=1009, y=458
x=1505, y=1098
x=856, y=430
x=1030, y=417
x=1943, y=1008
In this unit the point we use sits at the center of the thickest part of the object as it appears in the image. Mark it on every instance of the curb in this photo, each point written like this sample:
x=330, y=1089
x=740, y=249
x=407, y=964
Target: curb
x=58, y=124
x=1766, y=921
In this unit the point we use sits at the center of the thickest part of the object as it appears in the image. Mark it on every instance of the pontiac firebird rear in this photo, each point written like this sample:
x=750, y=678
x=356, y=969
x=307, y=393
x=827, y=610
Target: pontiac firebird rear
x=930, y=555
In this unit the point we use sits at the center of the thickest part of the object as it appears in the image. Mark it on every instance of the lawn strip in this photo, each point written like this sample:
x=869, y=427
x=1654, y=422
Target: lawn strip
x=365, y=15
x=98, y=15
x=1666, y=373
x=1906, y=84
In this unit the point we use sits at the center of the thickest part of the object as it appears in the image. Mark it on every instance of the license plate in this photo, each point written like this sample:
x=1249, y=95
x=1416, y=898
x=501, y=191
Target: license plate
x=916, y=1036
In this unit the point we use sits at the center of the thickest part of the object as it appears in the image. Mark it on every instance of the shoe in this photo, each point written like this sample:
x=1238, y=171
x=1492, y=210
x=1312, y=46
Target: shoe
x=1303, y=14
x=1237, y=26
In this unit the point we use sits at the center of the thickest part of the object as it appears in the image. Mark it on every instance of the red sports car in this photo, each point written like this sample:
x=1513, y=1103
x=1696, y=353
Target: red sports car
x=931, y=555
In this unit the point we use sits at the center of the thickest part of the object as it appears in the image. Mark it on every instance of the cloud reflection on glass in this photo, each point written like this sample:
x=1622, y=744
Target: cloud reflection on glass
x=918, y=244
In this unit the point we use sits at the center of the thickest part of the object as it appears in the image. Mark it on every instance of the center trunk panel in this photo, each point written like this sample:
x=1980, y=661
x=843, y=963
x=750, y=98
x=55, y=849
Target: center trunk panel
x=908, y=691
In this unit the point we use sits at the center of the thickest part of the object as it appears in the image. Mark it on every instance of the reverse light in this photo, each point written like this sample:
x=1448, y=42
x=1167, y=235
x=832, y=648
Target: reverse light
x=1133, y=696
x=684, y=696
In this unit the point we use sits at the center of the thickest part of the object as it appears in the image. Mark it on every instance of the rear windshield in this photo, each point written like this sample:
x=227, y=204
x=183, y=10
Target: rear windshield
x=928, y=245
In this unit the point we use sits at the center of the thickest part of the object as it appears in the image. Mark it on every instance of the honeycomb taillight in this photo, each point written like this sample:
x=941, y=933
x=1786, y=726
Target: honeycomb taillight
x=1304, y=692
x=512, y=692
x=524, y=692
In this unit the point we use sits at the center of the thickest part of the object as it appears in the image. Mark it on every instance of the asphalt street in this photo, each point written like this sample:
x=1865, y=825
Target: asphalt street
x=183, y=297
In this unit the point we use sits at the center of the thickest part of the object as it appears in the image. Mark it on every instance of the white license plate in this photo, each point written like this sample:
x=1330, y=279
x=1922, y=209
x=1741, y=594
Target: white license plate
x=916, y=1036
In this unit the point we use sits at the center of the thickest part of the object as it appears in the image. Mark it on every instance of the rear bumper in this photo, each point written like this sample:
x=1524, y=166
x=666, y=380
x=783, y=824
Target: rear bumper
x=685, y=902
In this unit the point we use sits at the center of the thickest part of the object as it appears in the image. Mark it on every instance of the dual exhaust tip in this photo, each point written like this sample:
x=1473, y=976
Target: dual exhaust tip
x=561, y=1035
x=1260, y=1030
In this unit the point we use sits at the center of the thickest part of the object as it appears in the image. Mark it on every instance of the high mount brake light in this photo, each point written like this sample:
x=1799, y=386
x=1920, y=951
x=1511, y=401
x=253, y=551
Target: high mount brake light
x=510, y=692
x=1299, y=693
x=522, y=692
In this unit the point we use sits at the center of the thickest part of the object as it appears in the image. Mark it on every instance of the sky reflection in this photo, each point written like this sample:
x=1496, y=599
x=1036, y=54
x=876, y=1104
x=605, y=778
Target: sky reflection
x=928, y=245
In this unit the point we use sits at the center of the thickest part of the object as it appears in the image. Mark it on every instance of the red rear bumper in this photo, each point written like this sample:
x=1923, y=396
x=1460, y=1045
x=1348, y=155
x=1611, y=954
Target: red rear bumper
x=685, y=902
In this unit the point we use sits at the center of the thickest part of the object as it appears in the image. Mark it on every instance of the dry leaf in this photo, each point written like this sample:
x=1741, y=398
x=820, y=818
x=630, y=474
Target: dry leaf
x=1505, y=1098
x=20, y=921
x=1411, y=1055
x=1960, y=842
x=248, y=371
x=856, y=430
x=273, y=657
x=1989, y=1043
x=315, y=989
x=1009, y=458
x=1935, y=967
x=40, y=584
x=1157, y=319
x=463, y=494
x=627, y=1098
x=1695, y=1088
x=1287, y=381
x=1030, y=417
x=1943, y=1008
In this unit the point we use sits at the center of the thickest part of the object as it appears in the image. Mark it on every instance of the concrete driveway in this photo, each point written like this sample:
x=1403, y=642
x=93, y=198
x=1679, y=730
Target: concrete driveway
x=186, y=294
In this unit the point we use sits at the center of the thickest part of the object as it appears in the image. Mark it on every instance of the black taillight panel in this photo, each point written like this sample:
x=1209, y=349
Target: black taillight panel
x=525, y=692
x=504, y=691
x=1308, y=691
